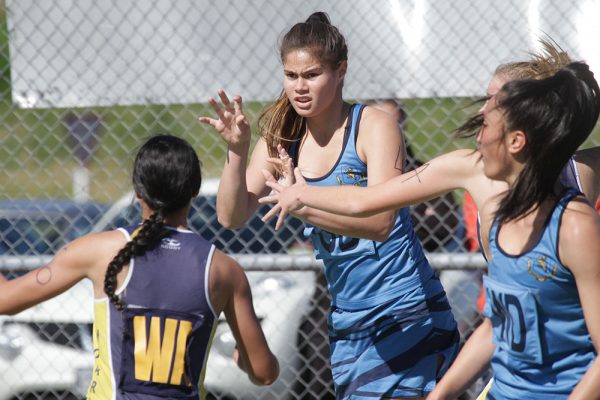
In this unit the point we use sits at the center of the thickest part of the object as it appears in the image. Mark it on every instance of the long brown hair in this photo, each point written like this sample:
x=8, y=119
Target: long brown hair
x=279, y=123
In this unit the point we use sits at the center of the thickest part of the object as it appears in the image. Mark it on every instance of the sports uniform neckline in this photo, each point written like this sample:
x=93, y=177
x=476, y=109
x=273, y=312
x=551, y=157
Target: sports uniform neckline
x=347, y=129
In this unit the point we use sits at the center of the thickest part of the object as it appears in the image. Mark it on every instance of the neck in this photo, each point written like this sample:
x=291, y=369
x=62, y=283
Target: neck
x=177, y=219
x=324, y=125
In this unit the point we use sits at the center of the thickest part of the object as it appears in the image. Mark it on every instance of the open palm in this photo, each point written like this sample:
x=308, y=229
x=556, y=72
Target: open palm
x=232, y=124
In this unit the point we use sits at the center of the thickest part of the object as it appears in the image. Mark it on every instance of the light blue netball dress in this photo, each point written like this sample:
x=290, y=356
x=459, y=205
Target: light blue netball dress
x=543, y=347
x=390, y=322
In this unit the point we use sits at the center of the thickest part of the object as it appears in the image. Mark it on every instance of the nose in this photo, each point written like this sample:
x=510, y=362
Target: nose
x=479, y=135
x=483, y=106
x=301, y=85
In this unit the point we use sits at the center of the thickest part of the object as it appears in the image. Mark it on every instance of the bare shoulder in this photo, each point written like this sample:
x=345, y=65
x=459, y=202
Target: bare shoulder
x=579, y=237
x=226, y=276
x=377, y=121
x=579, y=220
x=98, y=245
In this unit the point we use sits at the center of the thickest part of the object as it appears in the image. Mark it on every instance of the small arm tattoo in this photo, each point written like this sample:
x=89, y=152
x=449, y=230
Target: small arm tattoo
x=417, y=171
x=43, y=275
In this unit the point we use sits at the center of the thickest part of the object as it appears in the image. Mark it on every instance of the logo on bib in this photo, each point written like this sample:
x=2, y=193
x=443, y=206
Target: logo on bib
x=540, y=270
x=170, y=244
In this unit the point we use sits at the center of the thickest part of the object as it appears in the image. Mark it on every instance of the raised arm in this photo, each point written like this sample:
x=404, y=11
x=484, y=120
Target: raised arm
x=459, y=169
x=230, y=292
x=237, y=195
x=580, y=227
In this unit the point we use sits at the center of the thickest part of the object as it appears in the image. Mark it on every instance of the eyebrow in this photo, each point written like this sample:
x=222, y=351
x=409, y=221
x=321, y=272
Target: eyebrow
x=311, y=69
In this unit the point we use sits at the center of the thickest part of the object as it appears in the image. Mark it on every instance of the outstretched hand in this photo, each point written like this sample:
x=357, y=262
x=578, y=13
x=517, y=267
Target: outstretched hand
x=285, y=198
x=232, y=124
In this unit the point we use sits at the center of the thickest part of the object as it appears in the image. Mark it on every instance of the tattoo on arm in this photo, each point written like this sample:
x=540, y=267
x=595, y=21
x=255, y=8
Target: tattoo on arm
x=43, y=275
x=417, y=171
x=399, y=164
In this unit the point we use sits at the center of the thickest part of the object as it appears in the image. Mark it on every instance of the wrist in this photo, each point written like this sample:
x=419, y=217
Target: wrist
x=239, y=150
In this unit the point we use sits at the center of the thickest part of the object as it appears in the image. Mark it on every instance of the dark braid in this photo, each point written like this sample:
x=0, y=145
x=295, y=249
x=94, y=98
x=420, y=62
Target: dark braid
x=149, y=235
x=166, y=176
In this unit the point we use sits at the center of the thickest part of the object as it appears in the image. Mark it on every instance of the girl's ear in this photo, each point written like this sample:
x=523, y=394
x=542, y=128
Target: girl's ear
x=342, y=69
x=516, y=141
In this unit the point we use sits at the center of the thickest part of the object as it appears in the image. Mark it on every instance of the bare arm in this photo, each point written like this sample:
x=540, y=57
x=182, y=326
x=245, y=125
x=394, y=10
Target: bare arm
x=236, y=200
x=457, y=169
x=70, y=265
x=581, y=226
x=231, y=293
x=471, y=362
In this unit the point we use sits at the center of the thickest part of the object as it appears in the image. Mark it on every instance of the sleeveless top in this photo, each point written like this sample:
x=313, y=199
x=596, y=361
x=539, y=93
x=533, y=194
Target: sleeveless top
x=157, y=347
x=543, y=346
x=363, y=273
x=568, y=178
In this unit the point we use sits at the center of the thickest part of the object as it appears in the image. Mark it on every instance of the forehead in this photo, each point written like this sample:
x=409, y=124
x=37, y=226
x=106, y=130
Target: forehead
x=496, y=84
x=300, y=59
x=491, y=112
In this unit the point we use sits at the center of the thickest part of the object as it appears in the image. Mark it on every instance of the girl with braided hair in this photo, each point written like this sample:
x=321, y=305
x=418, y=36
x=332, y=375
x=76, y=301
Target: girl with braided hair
x=159, y=289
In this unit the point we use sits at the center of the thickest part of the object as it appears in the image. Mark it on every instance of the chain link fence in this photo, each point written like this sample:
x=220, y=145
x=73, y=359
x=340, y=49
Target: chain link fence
x=83, y=83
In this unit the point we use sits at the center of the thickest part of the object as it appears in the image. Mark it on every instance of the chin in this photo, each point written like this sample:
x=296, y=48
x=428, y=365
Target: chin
x=304, y=112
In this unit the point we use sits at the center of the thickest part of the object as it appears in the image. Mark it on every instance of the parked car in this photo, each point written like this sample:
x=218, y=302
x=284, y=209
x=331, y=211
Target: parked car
x=46, y=351
x=283, y=300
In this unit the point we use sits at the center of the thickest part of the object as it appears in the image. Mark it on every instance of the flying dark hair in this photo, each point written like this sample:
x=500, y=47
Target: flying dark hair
x=279, y=123
x=166, y=176
x=557, y=115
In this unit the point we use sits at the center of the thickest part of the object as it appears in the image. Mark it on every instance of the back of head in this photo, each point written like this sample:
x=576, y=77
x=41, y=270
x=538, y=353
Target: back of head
x=166, y=176
x=323, y=40
x=557, y=114
x=166, y=173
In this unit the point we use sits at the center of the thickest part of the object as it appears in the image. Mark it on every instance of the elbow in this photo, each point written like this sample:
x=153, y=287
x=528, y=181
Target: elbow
x=385, y=227
x=269, y=375
x=227, y=221
x=357, y=208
